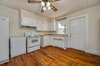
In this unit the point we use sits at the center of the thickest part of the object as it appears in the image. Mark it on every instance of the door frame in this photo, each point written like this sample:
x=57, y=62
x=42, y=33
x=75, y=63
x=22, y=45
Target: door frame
x=69, y=32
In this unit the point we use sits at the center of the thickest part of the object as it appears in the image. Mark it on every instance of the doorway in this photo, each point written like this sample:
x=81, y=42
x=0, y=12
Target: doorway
x=78, y=28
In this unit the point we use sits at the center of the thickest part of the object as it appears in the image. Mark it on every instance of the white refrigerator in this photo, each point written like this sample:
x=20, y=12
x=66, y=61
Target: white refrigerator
x=4, y=39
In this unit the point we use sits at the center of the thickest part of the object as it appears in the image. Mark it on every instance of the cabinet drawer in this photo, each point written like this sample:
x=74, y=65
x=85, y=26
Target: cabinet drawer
x=58, y=42
x=54, y=41
x=33, y=48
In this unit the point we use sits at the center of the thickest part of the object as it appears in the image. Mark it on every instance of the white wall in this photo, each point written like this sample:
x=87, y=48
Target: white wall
x=93, y=27
x=14, y=16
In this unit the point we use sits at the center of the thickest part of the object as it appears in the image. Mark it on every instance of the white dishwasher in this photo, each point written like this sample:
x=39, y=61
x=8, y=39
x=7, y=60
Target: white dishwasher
x=33, y=43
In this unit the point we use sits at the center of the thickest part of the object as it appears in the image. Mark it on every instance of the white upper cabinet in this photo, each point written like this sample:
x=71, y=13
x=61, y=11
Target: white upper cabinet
x=28, y=18
x=28, y=22
x=33, y=20
x=43, y=25
x=52, y=26
x=46, y=25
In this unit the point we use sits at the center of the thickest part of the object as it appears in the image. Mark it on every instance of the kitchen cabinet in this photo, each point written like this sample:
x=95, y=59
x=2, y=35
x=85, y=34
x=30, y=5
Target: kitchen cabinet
x=52, y=26
x=43, y=25
x=58, y=41
x=54, y=41
x=46, y=41
x=18, y=46
x=28, y=22
x=28, y=18
x=4, y=39
x=32, y=20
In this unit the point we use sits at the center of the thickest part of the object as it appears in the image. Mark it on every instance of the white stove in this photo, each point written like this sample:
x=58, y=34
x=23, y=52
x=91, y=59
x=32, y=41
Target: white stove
x=33, y=41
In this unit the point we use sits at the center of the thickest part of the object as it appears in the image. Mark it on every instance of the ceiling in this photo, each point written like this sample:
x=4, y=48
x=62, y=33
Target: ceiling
x=64, y=6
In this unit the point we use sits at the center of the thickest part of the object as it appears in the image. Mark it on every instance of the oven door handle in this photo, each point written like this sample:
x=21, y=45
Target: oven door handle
x=34, y=41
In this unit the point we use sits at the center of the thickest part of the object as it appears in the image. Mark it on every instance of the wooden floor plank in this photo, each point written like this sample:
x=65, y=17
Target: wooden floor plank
x=52, y=56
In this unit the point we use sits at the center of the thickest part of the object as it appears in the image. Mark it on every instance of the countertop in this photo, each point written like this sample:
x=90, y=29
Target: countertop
x=55, y=35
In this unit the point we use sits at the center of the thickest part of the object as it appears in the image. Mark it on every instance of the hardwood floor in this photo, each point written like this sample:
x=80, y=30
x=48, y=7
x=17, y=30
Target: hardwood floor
x=52, y=56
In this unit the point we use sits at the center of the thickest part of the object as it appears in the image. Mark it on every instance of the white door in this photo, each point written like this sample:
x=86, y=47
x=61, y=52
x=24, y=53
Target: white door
x=78, y=31
x=4, y=39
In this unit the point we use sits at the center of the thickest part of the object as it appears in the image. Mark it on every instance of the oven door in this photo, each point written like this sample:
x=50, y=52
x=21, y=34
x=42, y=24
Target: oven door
x=33, y=44
x=33, y=41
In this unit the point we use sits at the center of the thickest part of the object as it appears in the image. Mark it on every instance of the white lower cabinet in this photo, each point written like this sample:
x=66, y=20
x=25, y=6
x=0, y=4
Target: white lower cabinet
x=18, y=46
x=54, y=41
x=58, y=42
x=46, y=41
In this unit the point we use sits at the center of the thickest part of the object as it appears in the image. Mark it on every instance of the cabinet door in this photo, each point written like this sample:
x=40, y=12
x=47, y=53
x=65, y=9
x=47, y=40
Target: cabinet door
x=57, y=42
x=28, y=18
x=18, y=46
x=26, y=21
x=39, y=25
x=42, y=25
x=53, y=42
x=52, y=26
x=46, y=41
x=45, y=25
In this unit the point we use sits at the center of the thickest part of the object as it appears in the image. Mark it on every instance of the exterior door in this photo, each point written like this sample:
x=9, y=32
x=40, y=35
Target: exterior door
x=78, y=33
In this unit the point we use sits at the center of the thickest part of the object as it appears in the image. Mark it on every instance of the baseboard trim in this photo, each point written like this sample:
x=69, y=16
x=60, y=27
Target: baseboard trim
x=4, y=61
x=96, y=52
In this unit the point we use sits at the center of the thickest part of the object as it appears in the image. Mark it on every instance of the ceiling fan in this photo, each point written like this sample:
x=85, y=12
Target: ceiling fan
x=45, y=4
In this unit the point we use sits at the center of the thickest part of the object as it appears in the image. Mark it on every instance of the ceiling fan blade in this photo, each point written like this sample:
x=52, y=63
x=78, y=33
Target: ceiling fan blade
x=33, y=1
x=54, y=8
x=57, y=0
x=54, y=0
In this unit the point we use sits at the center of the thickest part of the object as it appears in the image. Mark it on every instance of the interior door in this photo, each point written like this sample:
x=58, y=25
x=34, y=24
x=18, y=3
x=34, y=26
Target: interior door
x=78, y=33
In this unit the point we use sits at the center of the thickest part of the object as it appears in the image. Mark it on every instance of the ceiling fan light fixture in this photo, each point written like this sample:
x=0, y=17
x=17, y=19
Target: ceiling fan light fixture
x=44, y=8
x=48, y=4
x=42, y=3
x=45, y=5
x=49, y=8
